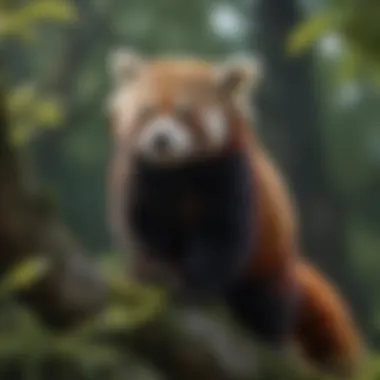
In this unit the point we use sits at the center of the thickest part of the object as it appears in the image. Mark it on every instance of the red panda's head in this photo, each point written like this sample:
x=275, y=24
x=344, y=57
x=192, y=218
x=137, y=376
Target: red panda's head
x=175, y=110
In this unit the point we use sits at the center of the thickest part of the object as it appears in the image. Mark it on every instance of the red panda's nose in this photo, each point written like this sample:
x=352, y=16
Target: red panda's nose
x=161, y=142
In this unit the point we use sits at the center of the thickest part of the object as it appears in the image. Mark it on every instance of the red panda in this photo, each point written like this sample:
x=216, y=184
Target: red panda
x=196, y=196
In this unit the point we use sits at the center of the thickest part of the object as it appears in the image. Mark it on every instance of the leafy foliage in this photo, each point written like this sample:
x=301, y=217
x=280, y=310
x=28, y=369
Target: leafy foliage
x=28, y=347
x=30, y=112
x=356, y=23
x=19, y=22
x=23, y=275
x=29, y=109
x=28, y=350
x=310, y=30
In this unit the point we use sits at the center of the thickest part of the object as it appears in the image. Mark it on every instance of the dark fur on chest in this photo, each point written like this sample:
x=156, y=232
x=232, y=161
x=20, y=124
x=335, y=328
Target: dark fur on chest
x=198, y=216
x=172, y=204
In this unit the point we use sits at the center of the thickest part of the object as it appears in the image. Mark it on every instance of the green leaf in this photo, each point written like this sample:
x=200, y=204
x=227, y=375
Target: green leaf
x=374, y=75
x=348, y=66
x=29, y=111
x=309, y=31
x=20, y=134
x=51, y=10
x=11, y=24
x=23, y=275
x=20, y=98
x=116, y=316
x=144, y=303
x=48, y=112
x=19, y=23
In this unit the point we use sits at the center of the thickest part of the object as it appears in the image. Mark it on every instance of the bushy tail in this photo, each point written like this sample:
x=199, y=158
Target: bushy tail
x=325, y=330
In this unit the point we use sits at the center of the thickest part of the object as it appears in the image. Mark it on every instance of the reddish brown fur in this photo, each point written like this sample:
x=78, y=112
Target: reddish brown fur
x=323, y=317
x=168, y=81
x=324, y=330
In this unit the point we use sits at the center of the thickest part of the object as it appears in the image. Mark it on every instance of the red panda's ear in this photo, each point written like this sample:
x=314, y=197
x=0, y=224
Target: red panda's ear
x=239, y=75
x=123, y=65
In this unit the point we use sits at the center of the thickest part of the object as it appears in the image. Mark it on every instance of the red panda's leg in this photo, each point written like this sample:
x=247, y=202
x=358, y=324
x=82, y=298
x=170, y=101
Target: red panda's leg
x=265, y=309
x=222, y=242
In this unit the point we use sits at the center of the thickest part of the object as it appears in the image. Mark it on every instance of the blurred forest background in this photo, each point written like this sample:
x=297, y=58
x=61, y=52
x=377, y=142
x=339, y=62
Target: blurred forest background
x=318, y=113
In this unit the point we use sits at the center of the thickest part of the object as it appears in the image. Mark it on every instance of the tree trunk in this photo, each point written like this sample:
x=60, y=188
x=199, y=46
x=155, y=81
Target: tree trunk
x=289, y=113
x=71, y=290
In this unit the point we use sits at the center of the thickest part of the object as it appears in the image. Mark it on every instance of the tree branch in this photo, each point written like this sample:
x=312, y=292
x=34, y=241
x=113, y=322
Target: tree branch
x=190, y=344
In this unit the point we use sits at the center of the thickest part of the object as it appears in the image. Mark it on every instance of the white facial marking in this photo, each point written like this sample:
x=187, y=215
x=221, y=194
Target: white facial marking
x=216, y=126
x=165, y=138
x=122, y=106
